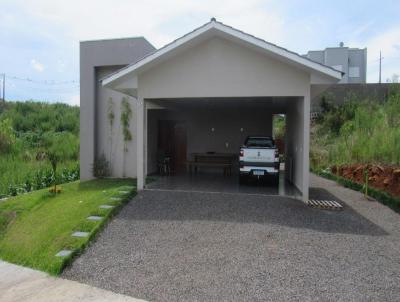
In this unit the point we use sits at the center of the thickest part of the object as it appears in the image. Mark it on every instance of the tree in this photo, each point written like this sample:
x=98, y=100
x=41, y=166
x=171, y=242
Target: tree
x=58, y=147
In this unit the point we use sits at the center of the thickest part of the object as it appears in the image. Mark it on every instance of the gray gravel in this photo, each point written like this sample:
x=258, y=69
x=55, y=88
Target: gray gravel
x=177, y=246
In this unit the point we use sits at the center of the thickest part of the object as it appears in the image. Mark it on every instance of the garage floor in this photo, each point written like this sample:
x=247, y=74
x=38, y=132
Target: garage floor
x=192, y=246
x=216, y=182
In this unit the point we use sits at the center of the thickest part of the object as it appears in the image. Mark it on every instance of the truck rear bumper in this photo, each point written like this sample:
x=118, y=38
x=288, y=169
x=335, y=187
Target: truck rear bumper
x=250, y=170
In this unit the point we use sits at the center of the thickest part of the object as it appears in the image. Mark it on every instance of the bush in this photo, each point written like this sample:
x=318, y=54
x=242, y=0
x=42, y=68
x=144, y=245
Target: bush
x=358, y=132
x=101, y=167
x=7, y=136
x=381, y=196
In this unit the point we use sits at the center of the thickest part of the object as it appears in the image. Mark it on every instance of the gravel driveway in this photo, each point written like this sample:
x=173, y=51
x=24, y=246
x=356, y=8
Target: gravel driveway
x=178, y=246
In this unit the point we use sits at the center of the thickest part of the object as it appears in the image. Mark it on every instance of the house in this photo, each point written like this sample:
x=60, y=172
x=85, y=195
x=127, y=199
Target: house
x=351, y=61
x=205, y=91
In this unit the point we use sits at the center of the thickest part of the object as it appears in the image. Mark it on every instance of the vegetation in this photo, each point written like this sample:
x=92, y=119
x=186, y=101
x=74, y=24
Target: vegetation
x=34, y=227
x=381, y=196
x=279, y=126
x=357, y=132
x=101, y=167
x=26, y=129
x=126, y=115
x=58, y=147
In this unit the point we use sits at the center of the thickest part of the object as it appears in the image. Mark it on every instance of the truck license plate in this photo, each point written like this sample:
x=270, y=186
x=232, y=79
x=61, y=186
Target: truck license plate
x=258, y=172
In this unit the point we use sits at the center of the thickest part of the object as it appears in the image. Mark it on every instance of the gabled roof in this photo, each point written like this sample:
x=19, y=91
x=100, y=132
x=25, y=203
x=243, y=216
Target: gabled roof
x=218, y=27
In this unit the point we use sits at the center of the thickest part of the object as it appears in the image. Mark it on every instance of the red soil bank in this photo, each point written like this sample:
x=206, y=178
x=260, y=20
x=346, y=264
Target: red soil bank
x=386, y=178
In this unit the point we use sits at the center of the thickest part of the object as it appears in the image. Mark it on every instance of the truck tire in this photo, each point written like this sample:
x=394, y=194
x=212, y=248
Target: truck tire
x=242, y=179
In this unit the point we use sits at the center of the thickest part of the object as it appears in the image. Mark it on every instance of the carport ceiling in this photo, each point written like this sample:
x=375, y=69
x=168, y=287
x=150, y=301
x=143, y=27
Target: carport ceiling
x=274, y=104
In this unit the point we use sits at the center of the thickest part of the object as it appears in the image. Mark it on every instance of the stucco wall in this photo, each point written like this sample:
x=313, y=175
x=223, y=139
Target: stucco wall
x=294, y=143
x=231, y=127
x=220, y=68
x=109, y=140
x=95, y=54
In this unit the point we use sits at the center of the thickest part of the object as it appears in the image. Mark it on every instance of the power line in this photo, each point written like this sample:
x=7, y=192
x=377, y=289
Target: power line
x=380, y=67
x=44, y=82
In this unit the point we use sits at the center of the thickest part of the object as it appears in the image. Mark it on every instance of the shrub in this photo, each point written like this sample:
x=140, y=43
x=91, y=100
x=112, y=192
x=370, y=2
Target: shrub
x=358, y=132
x=58, y=147
x=7, y=136
x=101, y=167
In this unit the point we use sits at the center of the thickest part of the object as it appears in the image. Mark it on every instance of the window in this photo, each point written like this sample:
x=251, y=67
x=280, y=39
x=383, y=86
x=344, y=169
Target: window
x=261, y=142
x=354, y=72
x=338, y=67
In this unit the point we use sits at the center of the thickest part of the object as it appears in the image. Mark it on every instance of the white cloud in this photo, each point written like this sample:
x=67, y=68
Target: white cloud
x=39, y=67
x=61, y=65
x=163, y=21
x=388, y=43
x=97, y=19
x=74, y=100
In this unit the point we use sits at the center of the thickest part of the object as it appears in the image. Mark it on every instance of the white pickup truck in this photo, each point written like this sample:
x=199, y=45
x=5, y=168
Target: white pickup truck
x=259, y=157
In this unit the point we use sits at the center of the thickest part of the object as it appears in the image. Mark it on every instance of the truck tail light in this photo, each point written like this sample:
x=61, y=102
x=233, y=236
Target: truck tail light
x=241, y=153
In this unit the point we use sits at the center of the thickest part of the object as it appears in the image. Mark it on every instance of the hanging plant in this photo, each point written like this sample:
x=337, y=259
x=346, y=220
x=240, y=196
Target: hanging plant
x=110, y=113
x=126, y=115
x=111, y=118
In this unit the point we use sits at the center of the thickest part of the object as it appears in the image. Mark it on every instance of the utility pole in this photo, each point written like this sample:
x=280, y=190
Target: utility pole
x=4, y=87
x=380, y=67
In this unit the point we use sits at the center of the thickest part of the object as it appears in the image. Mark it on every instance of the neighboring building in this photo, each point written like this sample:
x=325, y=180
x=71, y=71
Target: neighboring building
x=205, y=91
x=351, y=61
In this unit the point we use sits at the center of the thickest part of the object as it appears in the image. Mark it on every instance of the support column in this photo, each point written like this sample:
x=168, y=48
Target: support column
x=140, y=143
x=306, y=146
x=145, y=139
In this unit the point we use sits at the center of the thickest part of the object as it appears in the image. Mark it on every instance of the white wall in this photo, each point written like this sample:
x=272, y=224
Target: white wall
x=297, y=144
x=95, y=54
x=220, y=68
x=110, y=141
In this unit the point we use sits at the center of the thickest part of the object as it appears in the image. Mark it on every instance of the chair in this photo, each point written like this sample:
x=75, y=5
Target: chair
x=164, y=164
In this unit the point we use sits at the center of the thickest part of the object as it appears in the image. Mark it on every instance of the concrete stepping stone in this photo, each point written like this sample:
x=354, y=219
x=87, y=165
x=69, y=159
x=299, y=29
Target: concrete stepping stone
x=123, y=192
x=80, y=234
x=106, y=206
x=63, y=253
x=95, y=218
x=115, y=198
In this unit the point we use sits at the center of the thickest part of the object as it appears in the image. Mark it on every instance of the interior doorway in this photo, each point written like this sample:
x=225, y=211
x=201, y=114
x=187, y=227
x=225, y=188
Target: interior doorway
x=172, y=143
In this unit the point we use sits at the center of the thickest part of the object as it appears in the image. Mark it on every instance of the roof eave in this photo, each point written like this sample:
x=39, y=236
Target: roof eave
x=292, y=56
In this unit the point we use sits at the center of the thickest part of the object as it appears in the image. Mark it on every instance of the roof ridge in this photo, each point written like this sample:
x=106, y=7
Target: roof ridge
x=213, y=20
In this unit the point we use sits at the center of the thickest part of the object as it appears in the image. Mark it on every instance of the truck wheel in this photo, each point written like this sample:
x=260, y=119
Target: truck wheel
x=242, y=179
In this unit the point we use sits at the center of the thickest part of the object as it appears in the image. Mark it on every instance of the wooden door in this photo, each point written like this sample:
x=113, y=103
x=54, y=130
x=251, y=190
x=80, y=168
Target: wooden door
x=172, y=142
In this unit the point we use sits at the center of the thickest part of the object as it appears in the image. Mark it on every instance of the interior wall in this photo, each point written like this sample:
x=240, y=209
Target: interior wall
x=231, y=127
x=294, y=144
x=110, y=141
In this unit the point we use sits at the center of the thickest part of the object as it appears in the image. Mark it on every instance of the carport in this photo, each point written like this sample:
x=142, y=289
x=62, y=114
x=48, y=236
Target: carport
x=218, y=85
x=185, y=127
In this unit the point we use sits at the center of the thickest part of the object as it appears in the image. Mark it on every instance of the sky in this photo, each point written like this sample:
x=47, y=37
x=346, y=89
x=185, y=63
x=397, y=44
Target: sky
x=39, y=39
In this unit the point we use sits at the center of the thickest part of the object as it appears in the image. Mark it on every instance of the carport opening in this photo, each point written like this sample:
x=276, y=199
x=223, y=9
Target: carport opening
x=212, y=130
x=279, y=134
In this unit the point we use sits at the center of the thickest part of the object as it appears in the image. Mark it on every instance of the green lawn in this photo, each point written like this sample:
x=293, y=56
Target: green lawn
x=36, y=226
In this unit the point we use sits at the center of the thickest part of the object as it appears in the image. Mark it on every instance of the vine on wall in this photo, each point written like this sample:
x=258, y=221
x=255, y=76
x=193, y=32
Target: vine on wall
x=111, y=118
x=126, y=115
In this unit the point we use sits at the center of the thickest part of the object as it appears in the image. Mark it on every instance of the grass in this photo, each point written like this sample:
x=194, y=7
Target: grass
x=15, y=171
x=359, y=131
x=381, y=196
x=36, y=226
